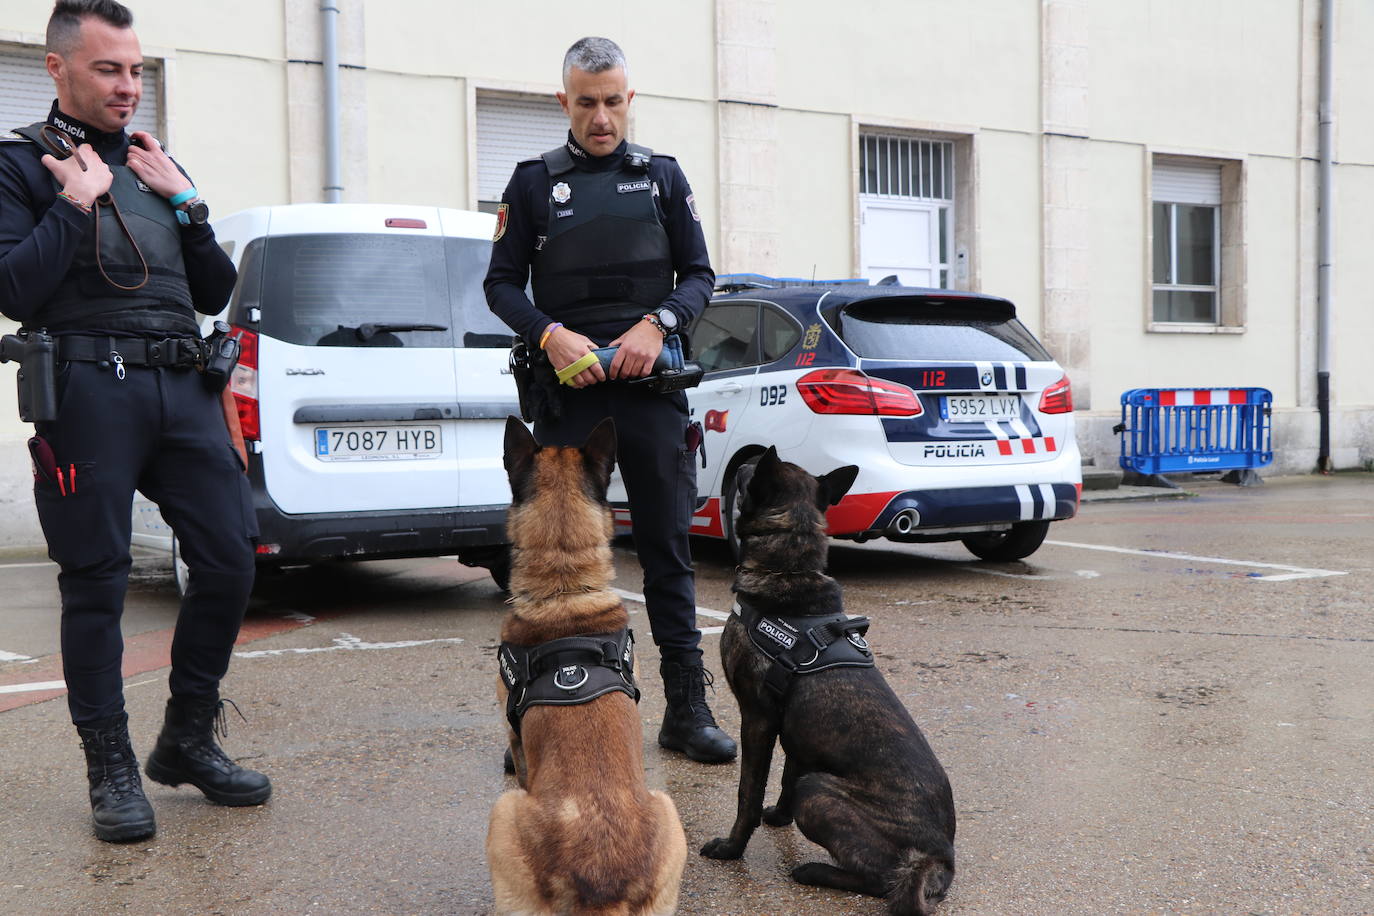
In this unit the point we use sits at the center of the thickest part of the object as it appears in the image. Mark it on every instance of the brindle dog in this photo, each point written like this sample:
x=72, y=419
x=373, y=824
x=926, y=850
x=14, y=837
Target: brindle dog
x=582, y=834
x=859, y=777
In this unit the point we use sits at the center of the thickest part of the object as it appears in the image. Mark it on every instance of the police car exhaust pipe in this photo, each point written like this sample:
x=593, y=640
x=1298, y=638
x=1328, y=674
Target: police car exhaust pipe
x=904, y=523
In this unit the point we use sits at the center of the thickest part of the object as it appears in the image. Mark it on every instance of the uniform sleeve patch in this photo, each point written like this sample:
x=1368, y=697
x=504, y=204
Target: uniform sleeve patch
x=502, y=219
x=692, y=206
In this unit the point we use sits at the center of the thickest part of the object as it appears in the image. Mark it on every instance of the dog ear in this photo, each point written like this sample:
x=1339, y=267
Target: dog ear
x=519, y=456
x=598, y=453
x=834, y=485
x=761, y=483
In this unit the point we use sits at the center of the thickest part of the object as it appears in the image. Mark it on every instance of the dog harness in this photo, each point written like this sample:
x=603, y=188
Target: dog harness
x=566, y=672
x=799, y=645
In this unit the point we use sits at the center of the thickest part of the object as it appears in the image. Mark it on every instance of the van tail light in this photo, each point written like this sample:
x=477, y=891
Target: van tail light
x=244, y=385
x=850, y=391
x=1058, y=398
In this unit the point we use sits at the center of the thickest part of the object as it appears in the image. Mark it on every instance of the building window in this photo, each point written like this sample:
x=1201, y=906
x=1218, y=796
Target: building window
x=1186, y=214
x=26, y=90
x=906, y=209
x=511, y=129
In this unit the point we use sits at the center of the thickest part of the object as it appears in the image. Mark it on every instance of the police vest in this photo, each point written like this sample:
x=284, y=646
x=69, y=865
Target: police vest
x=84, y=291
x=606, y=256
x=566, y=672
x=801, y=645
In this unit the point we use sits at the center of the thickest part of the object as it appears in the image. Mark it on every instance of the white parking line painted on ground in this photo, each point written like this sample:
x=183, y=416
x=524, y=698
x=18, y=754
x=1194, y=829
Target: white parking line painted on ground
x=1292, y=572
x=13, y=657
x=33, y=685
x=26, y=565
x=701, y=611
x=346, y=642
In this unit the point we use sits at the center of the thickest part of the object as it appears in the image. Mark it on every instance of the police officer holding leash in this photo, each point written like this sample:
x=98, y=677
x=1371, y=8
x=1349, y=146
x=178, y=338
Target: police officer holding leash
x=105, y=255
x=602, y=227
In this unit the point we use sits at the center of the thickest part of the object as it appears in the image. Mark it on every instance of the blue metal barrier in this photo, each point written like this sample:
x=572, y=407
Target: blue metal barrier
x=1173, y=430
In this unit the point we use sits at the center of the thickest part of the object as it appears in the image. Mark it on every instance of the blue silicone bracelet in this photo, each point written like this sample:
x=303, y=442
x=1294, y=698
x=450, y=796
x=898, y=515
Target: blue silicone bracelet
x=178, y=199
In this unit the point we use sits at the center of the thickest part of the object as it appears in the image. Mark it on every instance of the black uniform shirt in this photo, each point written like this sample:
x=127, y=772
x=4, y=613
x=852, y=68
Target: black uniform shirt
x=39, y=235
x=526, y=198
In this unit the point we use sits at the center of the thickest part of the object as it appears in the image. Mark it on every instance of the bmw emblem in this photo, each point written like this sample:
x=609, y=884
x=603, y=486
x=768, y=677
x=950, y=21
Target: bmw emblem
x=985, y=379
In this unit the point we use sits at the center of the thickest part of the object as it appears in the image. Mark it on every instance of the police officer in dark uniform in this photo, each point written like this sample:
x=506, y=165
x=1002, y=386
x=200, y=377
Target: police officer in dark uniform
x=609, y=236
x=104, y=246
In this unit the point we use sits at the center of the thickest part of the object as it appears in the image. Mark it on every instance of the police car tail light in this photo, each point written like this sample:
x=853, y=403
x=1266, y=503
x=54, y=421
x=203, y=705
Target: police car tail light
x=1057, y=398
x=244, y=385
x=850, y=391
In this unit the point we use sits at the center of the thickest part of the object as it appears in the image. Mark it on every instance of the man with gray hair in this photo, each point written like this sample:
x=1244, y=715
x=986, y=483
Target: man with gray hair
x=609, y=235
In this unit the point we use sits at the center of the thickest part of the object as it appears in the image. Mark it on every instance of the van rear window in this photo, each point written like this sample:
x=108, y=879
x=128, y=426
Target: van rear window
x=910, y=329
x=363, y=290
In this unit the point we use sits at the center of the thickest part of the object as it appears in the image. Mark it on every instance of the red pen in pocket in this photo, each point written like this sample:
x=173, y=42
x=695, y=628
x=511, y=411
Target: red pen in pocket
x=71, y=478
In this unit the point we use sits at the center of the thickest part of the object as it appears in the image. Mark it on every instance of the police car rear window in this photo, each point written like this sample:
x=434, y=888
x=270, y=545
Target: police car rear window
x=911, y=329
x=363, y=290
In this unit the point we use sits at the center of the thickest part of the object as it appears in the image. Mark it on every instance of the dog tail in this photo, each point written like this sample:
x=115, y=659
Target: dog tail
x=922, y=876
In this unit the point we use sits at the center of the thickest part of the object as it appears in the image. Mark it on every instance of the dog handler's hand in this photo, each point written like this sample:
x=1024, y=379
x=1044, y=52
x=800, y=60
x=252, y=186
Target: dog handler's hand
x=566, y=347
x=85, y=185
x=639, y=347
x=154, y=167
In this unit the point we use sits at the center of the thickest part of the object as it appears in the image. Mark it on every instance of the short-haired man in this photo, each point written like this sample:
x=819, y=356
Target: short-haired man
x=608, y=234
x=131, y=409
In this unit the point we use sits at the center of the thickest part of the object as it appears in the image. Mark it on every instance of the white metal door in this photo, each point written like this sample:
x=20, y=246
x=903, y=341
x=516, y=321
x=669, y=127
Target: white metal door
x=900, y=237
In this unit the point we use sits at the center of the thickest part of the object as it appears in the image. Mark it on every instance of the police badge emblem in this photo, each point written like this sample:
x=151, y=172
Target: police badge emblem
x=502, y=218
x=562, y=193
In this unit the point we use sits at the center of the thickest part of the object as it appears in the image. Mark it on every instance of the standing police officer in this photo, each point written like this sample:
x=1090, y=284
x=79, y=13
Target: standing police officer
x=104, y=245
x=601, y=227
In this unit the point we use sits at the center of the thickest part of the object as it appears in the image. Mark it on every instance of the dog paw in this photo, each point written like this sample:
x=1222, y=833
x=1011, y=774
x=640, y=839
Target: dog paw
x=721, y=848
x=774, y=816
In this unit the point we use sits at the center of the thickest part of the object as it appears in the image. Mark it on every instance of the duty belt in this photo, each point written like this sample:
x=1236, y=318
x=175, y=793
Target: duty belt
x=132, y=351
x=566, y=672
x=806, y=644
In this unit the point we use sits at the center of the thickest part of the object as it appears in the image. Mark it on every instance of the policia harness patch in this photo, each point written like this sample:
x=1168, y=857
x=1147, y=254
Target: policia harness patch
x=804, y=645
x=566, y=672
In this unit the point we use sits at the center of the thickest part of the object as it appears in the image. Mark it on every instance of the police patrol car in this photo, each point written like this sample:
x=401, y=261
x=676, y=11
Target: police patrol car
x=959, y=420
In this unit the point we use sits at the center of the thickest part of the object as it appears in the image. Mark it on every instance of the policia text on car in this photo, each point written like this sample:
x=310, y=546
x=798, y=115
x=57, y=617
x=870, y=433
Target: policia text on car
x=609, y=237
x=105, y=256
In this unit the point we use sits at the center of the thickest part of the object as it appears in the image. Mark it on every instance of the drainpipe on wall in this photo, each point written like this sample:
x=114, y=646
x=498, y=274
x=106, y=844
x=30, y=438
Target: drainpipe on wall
x=1324, y=227
x=329, y=31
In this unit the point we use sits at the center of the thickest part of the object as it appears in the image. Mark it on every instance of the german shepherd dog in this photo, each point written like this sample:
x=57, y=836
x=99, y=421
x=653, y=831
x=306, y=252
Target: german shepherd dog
x=859, y=777
x=582, y=834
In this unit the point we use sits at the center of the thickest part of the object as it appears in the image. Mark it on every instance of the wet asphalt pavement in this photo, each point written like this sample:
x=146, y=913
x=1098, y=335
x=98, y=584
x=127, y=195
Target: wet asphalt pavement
x=1168, y=709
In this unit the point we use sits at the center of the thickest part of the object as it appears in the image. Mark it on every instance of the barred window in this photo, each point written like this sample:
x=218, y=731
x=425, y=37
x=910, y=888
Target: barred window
x=893, y=166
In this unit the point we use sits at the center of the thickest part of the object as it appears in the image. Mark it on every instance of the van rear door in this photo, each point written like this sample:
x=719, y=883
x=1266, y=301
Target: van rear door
x=481, y=348
x=357, y=390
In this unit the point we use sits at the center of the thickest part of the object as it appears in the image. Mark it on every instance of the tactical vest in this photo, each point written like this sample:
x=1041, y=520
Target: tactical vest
x=566, y=672
x=606, y=256
x=806, y=644
x=84, y=292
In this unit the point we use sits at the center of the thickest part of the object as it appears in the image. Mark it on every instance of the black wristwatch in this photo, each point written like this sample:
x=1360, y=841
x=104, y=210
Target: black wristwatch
x=197, y=213
x=664, y=318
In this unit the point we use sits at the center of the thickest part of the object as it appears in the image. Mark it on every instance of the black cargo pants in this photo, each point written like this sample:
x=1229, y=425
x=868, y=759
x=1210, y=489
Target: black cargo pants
x=161, y=431
x=661, y=481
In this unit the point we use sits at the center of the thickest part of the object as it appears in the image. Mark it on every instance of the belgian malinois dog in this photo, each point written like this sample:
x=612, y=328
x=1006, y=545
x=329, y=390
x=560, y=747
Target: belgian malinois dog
x=582, y=834
x=859, y=777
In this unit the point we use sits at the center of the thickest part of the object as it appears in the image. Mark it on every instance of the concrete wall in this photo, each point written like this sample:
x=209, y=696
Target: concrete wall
x=1058, y=108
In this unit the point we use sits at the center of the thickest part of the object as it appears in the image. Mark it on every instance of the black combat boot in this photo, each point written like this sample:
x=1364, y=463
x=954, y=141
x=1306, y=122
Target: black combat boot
x=120, y=811
x=688, y=725
x=187, y=751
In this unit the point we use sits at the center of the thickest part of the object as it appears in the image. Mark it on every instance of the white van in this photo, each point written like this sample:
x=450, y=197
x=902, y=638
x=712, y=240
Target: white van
x=373, y=386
